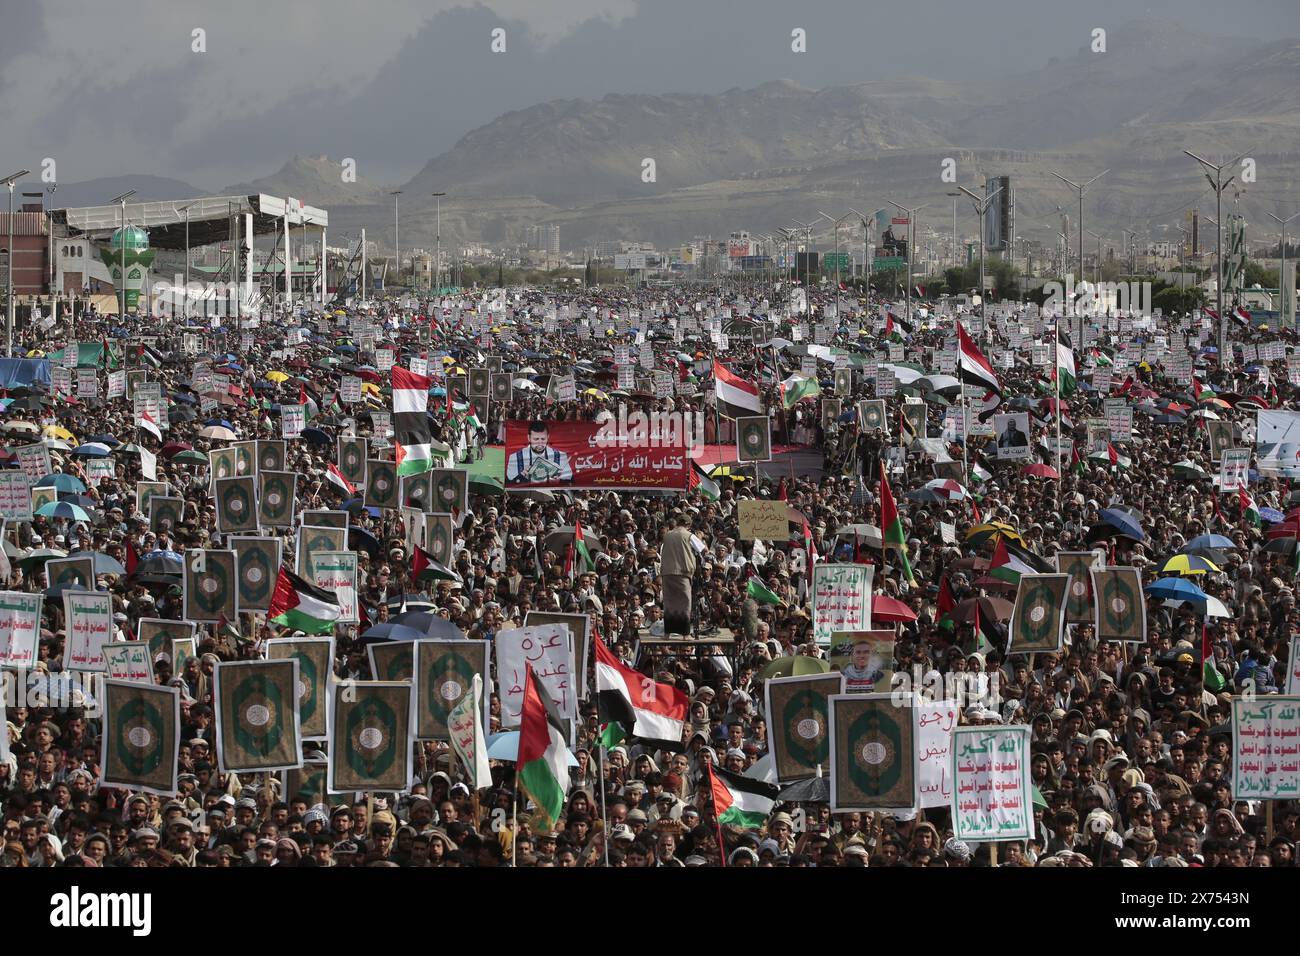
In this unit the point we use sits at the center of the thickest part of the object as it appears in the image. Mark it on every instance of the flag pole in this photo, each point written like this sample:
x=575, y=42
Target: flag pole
x=514, y=821
x=1056, y=376
x=604, y=818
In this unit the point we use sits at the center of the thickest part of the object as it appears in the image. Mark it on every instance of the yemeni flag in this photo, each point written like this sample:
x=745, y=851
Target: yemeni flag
x=701, y=482
x=338, y=481
x=411, y=435
x=734, y=396
x=891, y=525
x=1241, y=316
x=148, y=424
x=1008, y=565
x=972, y=367
x=654, y=711
x=543, y=759
x=760, y=592
x=738, y=800
x=1065, y=371
x=796, y=388
x=300, y=606
x=1249, y=510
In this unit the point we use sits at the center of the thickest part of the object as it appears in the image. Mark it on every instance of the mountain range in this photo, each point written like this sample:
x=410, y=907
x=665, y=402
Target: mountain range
x=757, y=158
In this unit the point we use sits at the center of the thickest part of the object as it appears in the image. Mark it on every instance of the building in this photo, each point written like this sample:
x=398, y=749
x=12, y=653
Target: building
x=31, y=252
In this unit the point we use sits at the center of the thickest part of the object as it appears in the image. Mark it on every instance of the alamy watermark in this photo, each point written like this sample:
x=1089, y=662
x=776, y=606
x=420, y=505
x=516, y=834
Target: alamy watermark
x=1097, y=298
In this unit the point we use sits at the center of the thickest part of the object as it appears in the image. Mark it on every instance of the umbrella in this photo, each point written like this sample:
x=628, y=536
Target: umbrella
x=442, y=629
x=1210, y=607
x=990, y=609
x=359, y=539
x=1188, y=564
x=419, y=620
x=58, y=590
x=981, y=534
x=190, y=458
x=108, y=440
x=161, y=562
x=389, y=631
x=62, y=483
x=174, y=448
x=1038, y=470
x=485, y=485
x=30, y=428
x=812, y=790
x=1179, y=589
x=93, y=450
x=38, y=556
x=316, y=436
x=217, y=433
x=48, y=689
x=1203, y=541
x=884, y=608
x=1189, y=469
x=505, y=746
x=558, y=540
x=106, y=564
x=63, y=509
x=1271, y=515
x=1123, y=522
x=796, y=666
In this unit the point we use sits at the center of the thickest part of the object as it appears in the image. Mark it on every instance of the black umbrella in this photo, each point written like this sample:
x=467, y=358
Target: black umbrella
x=442, y=629
x=361, y=539
x=159, y=564
x=418, y=620
x=812, y=790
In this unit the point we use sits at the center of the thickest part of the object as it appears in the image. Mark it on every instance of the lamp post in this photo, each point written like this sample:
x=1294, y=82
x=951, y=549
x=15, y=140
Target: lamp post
x=1287, y=289
x=9, y=266
x=121, y=250
x=807, y=238
x=1081, y=188
x=981, y=204
x=1218, y=185
x=956, y=259
x=397, y=238
x=1097, y=271
x=911, y=242
x=437, y=253
x=837, y=257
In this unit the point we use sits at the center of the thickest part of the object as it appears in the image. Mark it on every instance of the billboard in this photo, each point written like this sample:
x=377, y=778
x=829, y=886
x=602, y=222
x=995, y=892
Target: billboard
x=623, y=453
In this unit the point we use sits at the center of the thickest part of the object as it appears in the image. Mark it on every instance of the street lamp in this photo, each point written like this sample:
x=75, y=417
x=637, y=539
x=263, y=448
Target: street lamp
x=1097, y=272
x=911, y=241
x=1287, y=289
x=956, y=259
x=1081, y=188
x=837, y=256
x=9, y=287
x=437, y=261
x=1218, y=185
x=397, y=239
x=981, y=204
x=807, y=238
x=121, y=252
x=186, y=209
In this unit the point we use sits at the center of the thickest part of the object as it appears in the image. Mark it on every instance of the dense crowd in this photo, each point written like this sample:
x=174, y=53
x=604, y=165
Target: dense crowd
x=1131, y=745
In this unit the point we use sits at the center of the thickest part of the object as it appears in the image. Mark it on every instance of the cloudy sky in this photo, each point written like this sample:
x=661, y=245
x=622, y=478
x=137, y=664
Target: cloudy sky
x=112, y=89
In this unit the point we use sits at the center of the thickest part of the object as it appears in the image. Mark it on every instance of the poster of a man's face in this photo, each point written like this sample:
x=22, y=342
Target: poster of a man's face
x=538, y=462
x=1012, y=435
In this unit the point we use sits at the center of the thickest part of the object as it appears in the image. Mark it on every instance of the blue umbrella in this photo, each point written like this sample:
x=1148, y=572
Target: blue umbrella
x=1202, y=541
x=1124, y=523
x=92, y=450
x=63, y=509
x=505, y=746
x=357, y=504
x=219, y=421
x=108, y=440
x=1175, y=589
x=184, y=398
x=1271, y=515
x=64, y=483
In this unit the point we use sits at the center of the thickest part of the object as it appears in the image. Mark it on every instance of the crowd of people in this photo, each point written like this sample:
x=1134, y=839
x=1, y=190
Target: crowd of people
x=1131, y=743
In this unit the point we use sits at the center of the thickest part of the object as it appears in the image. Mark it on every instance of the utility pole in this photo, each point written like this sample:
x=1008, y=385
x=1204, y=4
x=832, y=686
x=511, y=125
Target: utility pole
x=981, y=204
x=1081, y=188
x=1218, y=185
x=9, y=263
x=397, y=238
x=837, y=256
x=1286, y=289
x=437, y=261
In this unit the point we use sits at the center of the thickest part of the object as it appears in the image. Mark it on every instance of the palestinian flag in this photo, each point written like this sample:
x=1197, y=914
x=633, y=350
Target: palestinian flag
x=1009, y=562
x=738, y=800
x=338, y=481
x=796, y=388
x=423, y=563
x=654, y=711
x=611, y=735
x=891, y=525
x=972, y=367
x=734, y=396
x=300, y=606
x=580, y=546
x=978, y=473
x=701, y=482
x=411, y=435
x=809, y=547
x=946, y=603
x=543, y=760
x=1065, y=373
x=760, y=592
x=1213, y=679
x=982, y=643
x=1249, y=510
x=898, y=327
